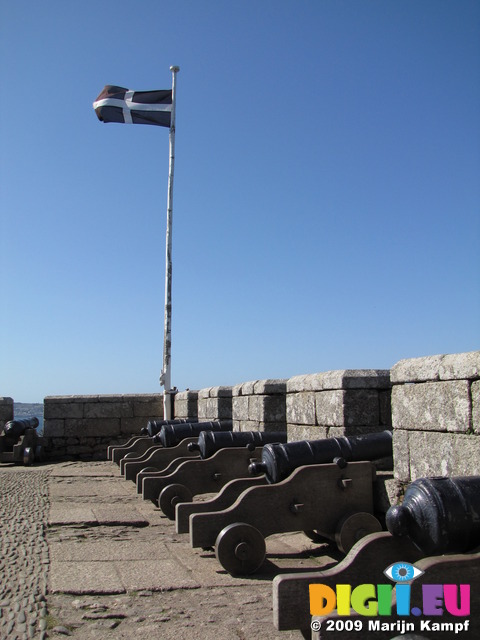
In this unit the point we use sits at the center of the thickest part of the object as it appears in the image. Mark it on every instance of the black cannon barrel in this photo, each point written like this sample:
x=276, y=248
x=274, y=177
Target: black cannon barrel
x=13, y=429
x=153, y=426
x=279, y=460
x=171, y=434
x=439, y=515
x=209, y=442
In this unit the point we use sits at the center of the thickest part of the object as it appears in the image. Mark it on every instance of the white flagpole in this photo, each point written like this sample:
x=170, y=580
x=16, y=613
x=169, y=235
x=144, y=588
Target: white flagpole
x=165, y=377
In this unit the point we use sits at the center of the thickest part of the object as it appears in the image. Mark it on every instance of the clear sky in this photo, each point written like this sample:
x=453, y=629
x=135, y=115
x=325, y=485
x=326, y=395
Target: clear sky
x=326, y=197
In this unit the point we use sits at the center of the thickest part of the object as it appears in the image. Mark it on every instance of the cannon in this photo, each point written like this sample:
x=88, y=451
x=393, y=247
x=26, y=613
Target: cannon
x=329, y=501
x=226, y=458
x=154, y=426
x=279, y=460
x=209, y=442
x=20, y=442
x=155, y=459
x=440, y=515
x=139, y=444
x=435, y=530
x=332, y=499
x=169, y=436
x=13, y=429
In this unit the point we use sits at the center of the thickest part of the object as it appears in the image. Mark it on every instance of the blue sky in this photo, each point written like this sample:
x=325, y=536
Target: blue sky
x=326, y=198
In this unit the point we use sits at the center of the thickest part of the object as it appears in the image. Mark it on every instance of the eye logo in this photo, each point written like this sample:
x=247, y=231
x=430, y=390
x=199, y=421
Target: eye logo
x=402, y=572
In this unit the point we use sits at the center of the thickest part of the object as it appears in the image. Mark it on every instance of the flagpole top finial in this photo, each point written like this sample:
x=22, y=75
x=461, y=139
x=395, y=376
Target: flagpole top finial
x=174, y=68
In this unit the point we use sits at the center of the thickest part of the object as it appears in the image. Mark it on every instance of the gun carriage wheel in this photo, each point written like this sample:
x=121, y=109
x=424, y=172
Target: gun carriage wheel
x=240, y=548
x=353, y=528
x=170, y=496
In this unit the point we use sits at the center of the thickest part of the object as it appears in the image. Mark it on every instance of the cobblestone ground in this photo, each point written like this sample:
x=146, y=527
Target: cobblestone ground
x=24, y=554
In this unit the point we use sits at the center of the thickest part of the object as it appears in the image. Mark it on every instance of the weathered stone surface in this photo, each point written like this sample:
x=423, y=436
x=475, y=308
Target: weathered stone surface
x=237, y=390
x=216, y=408
x=385, y=407
x=108, y=410
x=347, y=408
x=240, y=408
x=270, y=387
x=275, y=410
x=329, y=408
x=246, y=388
x=266, y=408
x=475, y=390
x=361, y=407
x=297, y=432
x=67, y=399
x=401, y=455
x=186, y=404
x=148, y=409
x=221, y=392
x=386, y=492
x=248, y=425
x=416, y=369
x=356, y=430
x=132, y=426
x=73, y=427
x=6, y=410
x=54, y=410
x=340, y=379
x=93, y=427
x=460, y=366
x=356, y=379
x=259, y=405
x=436, y=406
x=301, y=408
x=456, y=366
x=305, y=382
x=54, y=428
x=438, y=454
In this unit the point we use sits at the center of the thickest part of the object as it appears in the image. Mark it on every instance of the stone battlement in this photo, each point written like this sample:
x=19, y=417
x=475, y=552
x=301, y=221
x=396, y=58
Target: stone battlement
x=431, y=403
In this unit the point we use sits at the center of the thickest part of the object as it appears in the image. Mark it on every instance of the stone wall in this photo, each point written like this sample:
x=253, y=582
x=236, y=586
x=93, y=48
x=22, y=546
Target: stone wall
x=259, y=406
x=215, y=403
x=83, y=426
x=436, y=416
x=432, y=403
x=186, y=404
x=338, y=403
x=6, y=411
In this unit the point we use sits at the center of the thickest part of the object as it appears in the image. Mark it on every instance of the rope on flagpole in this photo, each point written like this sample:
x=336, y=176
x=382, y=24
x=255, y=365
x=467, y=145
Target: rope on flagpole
x=166, y=376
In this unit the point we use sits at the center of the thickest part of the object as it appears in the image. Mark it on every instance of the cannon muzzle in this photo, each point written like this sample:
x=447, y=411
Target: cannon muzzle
x=439, y=515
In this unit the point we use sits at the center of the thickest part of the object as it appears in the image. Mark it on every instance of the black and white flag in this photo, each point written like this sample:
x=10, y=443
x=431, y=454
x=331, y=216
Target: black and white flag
x=117, y=104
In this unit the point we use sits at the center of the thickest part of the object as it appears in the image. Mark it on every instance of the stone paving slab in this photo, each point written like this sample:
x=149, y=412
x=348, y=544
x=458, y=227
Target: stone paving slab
x=92, y=515
x=84, y=577
x=81, y=487
x=67, y=515
x=111, y=566
x=158, y=575
x=86, y=470
x=105, y=551
x=119, y=514
x=105, y=542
